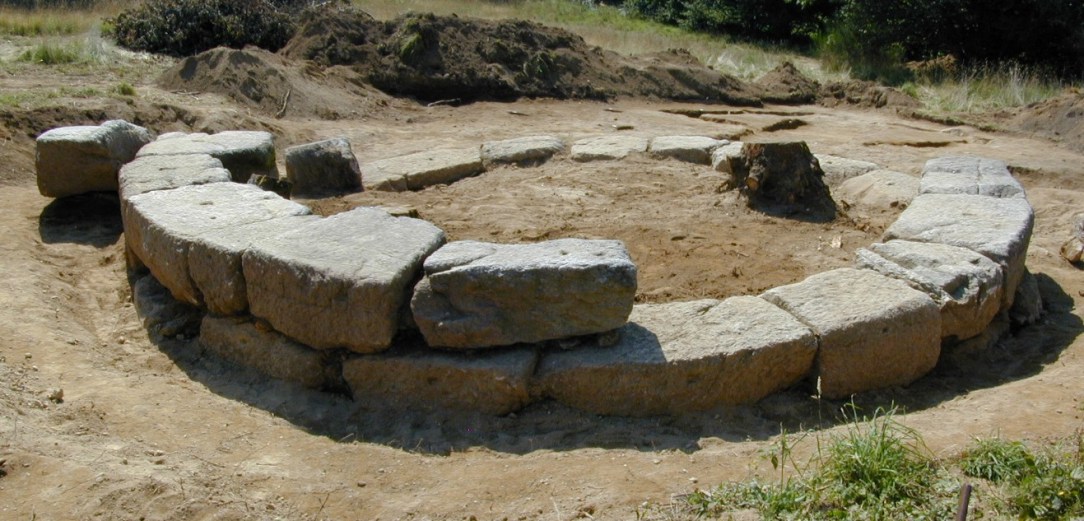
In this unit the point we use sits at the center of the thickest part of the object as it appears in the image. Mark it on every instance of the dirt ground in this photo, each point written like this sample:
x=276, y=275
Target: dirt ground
x=156, y=429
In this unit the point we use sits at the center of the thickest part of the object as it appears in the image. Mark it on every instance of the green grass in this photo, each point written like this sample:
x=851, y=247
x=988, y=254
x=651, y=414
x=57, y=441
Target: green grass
x=49, y=53
x=1044, y=485
x=37, y=98
x=608, y=27
x=878, y=469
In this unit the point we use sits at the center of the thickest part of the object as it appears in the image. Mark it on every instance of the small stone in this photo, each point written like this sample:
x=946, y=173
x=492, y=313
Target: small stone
x=56, y=395
x=323, y=168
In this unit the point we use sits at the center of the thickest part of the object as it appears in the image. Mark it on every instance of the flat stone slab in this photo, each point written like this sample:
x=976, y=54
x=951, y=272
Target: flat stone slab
x=491, y=382
x=214, y=261
x=323, y=168
x=341, y=281
x=153, y=173
x=478, y=294
x=607, y=148
x=724, y=157
x=966, y=285
x=969, y=175
x=684, y=357
x=874, y=332
x=999, y=228
x=528, y=150
x=839, y=169
x=422, y=169
x=247, y=343
x=243, y=152
x=691, y=149
x=879, y=189
x=162, y=226
x=82, y=159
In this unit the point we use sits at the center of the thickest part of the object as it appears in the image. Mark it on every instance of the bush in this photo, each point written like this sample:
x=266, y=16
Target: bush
x=788, y=21
x=186, y=27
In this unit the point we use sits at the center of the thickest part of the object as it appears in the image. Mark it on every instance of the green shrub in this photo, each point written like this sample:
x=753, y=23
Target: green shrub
x=186, y=27
x=761, y=20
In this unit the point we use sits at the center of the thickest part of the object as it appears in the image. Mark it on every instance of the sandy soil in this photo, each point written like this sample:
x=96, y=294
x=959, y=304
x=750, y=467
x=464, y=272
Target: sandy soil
x=156, y=429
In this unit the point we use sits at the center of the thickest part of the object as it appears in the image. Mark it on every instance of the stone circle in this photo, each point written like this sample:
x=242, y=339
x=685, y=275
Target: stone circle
x=320, y=300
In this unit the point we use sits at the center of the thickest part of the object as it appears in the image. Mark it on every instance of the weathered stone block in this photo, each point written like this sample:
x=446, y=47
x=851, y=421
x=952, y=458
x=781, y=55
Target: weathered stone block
x=723, y=158
x=1027, y=307
x=839, y=169
x=879, y=189
x=999, y=228
x=684, y=357
x=492, y=382
x=242, y=152
x=691, y=149
x=247, y=343
x=966, y=285
x=77, y=160
x=607, y=148
x=423, y=169
x=874, y=331
x=478, y=294
x=153, y=173
x=214, y=261
x=969, y=175
x=521, y=151
x=161, y=226
x=323, y=168
x=340, y=281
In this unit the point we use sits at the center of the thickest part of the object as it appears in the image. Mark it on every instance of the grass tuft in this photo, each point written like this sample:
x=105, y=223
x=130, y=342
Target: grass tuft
x=43, y=22
x=878, y=469
x=990, y=87
x=49, y=53
x=1048, y=485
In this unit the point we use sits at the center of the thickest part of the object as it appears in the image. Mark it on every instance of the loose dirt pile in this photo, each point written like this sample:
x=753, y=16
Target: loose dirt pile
x=442, y=58
x=1060, y=119
x=865, y=94
x=275, y=85
x=786, y=84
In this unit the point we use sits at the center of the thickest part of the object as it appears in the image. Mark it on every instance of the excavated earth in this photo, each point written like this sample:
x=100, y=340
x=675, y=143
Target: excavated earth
x=154, y=428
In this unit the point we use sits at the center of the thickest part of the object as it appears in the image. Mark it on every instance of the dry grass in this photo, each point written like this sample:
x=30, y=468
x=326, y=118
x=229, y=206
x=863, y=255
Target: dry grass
x=988, y=88
x=54, y=21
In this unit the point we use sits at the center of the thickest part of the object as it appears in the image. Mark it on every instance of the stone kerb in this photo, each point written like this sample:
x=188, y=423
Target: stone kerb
x=873, y=331
x=969, y=175
x=999, y=228
x=966, y=285
x=325, y=167
x=77, y=160
x=341, y=281
x=316, y=284
x=244, y=153
x=479, y=295
x=493, y=382
x=684, y=357
x=162, y=226
x=422, y=169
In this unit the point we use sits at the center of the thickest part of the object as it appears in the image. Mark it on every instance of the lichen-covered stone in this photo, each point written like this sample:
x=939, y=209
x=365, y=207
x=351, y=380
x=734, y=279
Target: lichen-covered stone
x=82, y=159
x=340, y=281
x=478, y=294
x=874, y=332
x=684, y=357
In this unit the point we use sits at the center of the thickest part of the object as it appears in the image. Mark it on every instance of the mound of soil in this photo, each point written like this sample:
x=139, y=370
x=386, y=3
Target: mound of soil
x=431, y=58
x=274, y=85
x=786, y=84
x=866, y=94
x=1060, y=119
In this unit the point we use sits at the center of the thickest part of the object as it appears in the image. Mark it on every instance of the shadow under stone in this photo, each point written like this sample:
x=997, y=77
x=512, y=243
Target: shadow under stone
x=92, y=219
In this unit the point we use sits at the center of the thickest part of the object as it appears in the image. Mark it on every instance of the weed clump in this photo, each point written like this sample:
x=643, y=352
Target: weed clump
x=52, y=54
x=187, y=27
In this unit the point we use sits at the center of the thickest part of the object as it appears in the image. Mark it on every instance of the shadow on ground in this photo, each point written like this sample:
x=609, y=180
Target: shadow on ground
x=91, y=219
x=551, y=426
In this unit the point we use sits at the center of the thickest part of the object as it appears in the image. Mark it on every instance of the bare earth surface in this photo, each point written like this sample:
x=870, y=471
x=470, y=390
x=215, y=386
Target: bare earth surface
x=158, y=430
